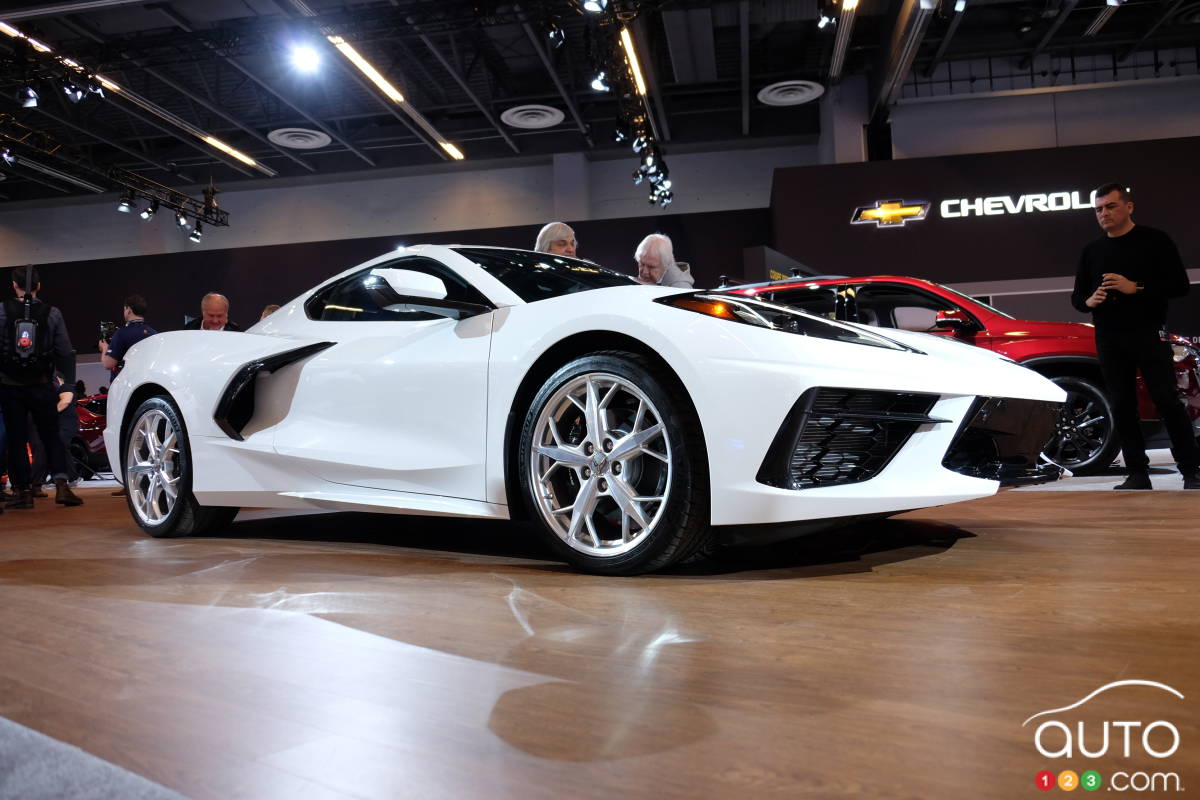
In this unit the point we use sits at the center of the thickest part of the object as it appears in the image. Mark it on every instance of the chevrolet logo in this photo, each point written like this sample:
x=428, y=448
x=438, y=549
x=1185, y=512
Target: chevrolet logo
x=889, y=213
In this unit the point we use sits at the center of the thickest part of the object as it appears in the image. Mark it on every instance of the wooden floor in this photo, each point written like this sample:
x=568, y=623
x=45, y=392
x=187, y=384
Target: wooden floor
x=344, y=655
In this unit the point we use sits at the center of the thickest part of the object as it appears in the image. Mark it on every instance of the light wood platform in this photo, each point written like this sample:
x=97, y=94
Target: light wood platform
x=340, y=655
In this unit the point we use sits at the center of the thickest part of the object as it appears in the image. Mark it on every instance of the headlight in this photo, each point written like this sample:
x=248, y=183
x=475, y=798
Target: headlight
x=776, y=317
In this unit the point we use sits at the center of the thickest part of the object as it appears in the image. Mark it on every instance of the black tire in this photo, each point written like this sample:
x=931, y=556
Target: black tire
x=670, y=527
x=78, y=454
x=148, y=501
x=1085, y=437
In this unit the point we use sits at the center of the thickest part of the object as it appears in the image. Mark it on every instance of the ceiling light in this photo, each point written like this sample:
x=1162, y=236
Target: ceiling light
x=126, y=204
x=27, y=97
x=454, y=152
x=11, y=31
x=149, y=211
x=556, y=35
x=305, y=58
x=197, y=232
x=9, y=157
x=238, y=154
x=595, y=6
x=631, y=54
x=36, y=45
x=365, y=68
x=181, y=219
x=960, y=6
x=825, y=21
x=599, y=83
x=73, y=92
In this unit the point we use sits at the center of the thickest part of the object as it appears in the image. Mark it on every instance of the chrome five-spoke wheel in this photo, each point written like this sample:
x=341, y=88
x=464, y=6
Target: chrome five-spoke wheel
x=152, y=467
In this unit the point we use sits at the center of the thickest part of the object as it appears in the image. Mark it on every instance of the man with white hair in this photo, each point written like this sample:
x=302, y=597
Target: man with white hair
x=556, y=238
x=657, y=265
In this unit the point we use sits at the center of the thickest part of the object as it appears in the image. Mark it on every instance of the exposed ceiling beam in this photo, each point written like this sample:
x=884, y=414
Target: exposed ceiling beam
x=960, y=8
x=188, y=27
x=841, y=39
x=462, y=84
x=53, y=9
x=562, y=91
x=85, y=30
x=1065, y=11
x=905, y=40
x=1167, y=13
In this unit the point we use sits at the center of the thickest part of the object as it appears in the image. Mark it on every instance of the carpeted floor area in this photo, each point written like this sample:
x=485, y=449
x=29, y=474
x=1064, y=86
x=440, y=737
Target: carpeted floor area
x=36, y=767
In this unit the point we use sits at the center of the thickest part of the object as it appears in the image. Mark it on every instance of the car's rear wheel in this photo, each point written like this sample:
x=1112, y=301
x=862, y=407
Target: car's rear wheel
x=614, y=466
x=158, y=475
x=1085, y=436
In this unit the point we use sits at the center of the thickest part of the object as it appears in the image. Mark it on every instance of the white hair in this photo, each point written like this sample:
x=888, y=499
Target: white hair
x=658, y=244
x=552, y=232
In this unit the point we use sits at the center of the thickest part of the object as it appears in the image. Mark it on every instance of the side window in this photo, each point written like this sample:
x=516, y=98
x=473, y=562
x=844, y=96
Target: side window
x=820, y=302
x=363, y=297
x=899, y=307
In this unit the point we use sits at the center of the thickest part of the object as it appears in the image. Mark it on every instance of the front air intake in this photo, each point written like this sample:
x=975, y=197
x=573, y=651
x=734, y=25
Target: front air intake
x=833, y=436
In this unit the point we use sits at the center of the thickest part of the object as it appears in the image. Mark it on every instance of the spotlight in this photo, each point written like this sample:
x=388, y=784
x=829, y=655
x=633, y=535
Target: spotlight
x=638, y=175
x=149, y=211
x=196, y=232
x=96, y=89
x=555, y=34
x=181, y=220
x=595, y=6
x=640, y=143
x=825, y=21
x=305, y=58
x=9, y=156
x=600, y=82
x=73, y=92
x=27, y=97
x=126, y=204
x=621, y=132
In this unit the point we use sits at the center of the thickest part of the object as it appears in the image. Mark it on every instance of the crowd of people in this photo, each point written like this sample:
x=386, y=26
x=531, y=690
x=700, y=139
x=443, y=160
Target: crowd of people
x=1124, y=279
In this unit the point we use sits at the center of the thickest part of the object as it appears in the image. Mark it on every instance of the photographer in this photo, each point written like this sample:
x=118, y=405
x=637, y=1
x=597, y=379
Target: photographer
x=116, y=344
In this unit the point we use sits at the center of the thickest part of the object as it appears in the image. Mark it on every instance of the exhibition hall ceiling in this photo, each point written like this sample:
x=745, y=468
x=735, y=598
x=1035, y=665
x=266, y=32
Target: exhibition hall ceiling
x=98, y=95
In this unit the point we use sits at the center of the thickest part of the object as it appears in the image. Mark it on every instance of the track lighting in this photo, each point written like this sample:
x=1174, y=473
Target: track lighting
x=600, y=82
x=149, y=211
x=181, y=219
x=595, y=6
x=126, y=204
x=197, y=232
x=555, y=34
x=27, y=97
x=73, y=92
x=9, y=156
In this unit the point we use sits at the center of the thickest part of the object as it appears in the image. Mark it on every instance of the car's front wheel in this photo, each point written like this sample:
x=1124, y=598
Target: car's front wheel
x=1085, y=436
x=158, y=475
x=613, y=465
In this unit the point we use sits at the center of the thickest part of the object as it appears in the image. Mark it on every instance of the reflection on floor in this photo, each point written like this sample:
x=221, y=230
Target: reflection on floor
x=350, y=655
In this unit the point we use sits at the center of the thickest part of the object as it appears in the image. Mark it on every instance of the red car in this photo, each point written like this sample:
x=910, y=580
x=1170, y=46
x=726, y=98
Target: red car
x=87, y=448
x=1085, y=441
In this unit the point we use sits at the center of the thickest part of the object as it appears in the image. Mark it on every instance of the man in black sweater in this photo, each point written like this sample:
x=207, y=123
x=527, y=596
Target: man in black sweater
x=1125, y=279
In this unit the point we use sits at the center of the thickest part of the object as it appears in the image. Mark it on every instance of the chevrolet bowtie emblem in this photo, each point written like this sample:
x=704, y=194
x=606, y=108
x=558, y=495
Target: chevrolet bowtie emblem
x=889, y=213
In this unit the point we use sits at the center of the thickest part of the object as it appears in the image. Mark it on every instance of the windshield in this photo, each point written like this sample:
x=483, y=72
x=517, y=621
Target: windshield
x=539, y=276
x=974, y=300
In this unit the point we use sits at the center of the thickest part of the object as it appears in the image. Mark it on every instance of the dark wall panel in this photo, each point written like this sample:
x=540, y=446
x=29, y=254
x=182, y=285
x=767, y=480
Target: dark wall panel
x=252, y=277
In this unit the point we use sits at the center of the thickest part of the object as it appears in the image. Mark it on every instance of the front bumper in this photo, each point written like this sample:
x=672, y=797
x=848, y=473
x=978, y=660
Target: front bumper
x=1002, y=440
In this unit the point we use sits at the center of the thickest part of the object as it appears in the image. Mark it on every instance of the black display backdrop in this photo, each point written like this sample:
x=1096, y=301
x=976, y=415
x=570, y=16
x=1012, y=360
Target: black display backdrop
x=252, y=277
x=812, y=209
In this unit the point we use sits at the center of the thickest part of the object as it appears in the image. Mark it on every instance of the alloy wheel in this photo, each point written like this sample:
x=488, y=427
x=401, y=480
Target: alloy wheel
x=600, y=464
x=152, y=467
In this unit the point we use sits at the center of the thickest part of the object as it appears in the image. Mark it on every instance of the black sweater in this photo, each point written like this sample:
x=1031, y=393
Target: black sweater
x=1144, y=255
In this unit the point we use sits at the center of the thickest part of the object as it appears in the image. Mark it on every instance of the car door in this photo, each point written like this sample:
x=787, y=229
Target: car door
x=399, y=402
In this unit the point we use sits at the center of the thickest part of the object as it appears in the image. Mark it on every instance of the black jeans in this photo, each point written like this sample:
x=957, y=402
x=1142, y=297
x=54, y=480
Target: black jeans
x=1123, y=353
x=20, y=403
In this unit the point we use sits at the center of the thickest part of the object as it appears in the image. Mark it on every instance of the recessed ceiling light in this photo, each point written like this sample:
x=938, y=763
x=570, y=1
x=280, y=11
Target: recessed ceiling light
x=790, y=93
x=532, y=117
x=299, y=138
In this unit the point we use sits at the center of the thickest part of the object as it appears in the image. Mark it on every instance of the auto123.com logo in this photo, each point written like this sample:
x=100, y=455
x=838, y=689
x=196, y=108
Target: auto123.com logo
x=1060, y=734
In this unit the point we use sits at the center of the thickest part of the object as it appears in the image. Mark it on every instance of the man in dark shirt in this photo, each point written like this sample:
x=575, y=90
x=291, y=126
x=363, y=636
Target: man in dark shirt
x=1125, y=279
x=32, y=392
x=214, y=315
x=112, y=354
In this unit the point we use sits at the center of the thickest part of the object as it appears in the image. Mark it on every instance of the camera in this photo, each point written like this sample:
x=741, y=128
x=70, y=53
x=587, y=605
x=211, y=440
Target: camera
x=107, y=329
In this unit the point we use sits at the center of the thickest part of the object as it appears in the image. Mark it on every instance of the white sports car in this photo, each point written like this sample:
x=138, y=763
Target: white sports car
x=636, y=424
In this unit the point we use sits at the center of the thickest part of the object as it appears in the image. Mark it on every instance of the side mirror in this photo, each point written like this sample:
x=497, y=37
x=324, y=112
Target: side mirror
x=408, y=283
x=954, y=319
